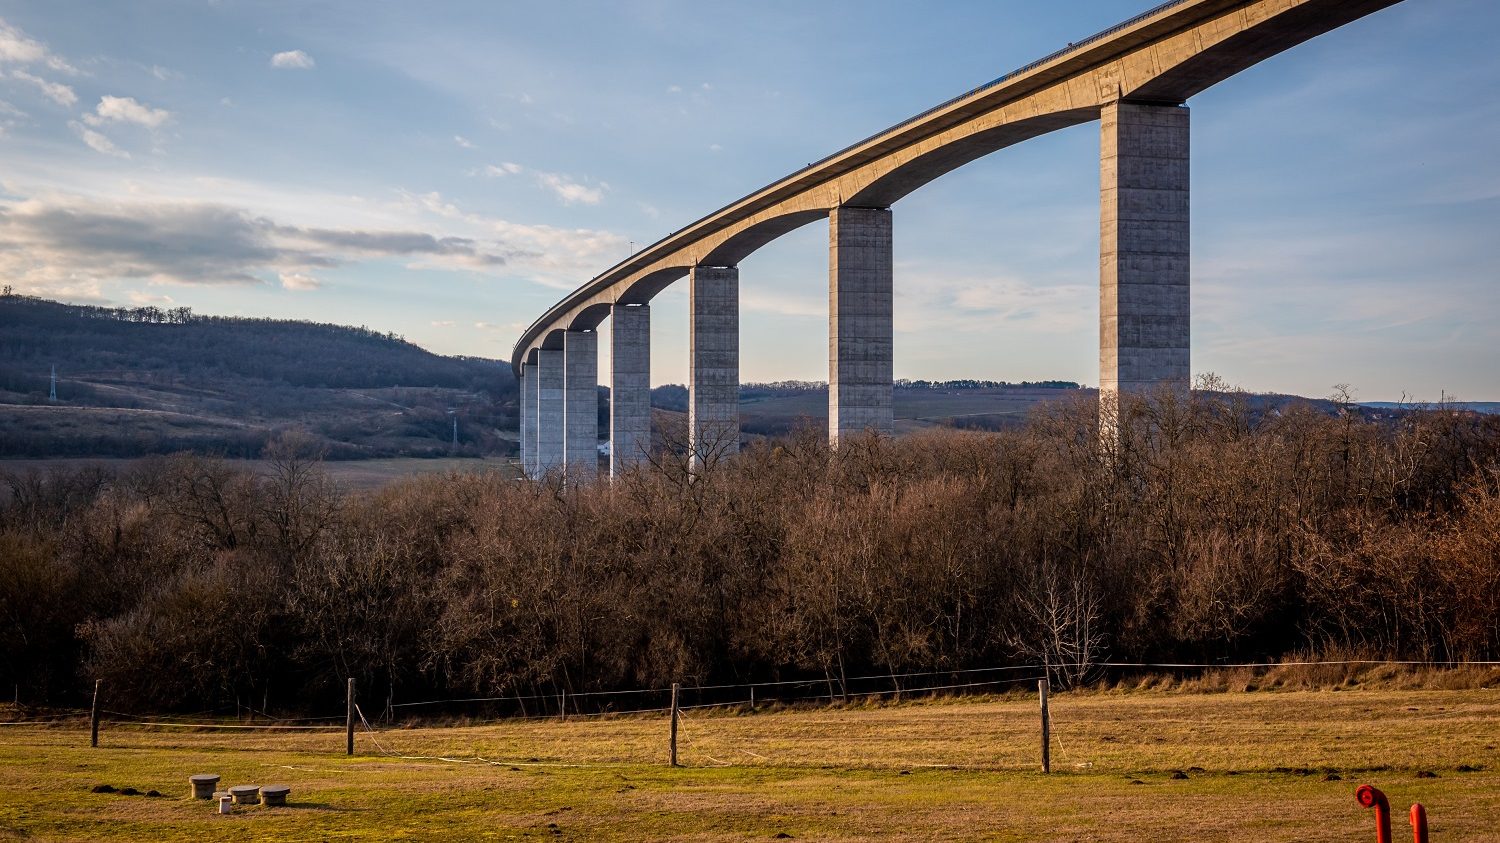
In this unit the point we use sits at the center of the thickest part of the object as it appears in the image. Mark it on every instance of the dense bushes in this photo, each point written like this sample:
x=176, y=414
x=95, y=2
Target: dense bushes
x=1194, y=529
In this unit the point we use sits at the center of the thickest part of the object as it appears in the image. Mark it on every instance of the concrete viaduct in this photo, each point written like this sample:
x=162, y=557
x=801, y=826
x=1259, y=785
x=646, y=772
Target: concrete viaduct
x=1134, y=78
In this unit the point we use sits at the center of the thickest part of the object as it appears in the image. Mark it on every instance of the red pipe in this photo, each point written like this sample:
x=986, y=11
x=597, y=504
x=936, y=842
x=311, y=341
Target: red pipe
x=1419, y=823
x=1370, y=797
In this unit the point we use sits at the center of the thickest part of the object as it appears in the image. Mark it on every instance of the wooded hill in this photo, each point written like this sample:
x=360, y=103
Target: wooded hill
x=133, y=381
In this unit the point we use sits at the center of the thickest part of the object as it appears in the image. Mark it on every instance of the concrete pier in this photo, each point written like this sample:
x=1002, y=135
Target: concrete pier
x=581, y=404
x=549, y=410
x=1144, y=312
x=525, y=389
x=629, y=386
x=713, y=363
x=859, y=321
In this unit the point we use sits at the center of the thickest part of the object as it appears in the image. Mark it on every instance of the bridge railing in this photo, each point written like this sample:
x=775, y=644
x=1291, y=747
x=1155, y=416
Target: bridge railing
x=1027, y=68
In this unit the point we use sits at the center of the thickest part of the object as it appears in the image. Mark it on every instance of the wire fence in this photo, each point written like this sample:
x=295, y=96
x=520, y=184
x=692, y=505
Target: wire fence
x=685, y=705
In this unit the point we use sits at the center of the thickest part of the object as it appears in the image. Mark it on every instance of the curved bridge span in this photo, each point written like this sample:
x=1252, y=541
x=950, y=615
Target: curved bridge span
x=1133, y=78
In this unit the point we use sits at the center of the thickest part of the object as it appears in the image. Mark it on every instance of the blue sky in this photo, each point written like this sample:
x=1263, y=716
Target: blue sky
x=447, y=170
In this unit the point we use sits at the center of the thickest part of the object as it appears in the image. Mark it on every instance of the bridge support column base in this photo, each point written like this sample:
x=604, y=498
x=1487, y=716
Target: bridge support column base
x=713, y=364
x=1144, y=312
x=859, y=322
x=549, y=411
x=629, y=386
x=581, y=404
x=526, y=396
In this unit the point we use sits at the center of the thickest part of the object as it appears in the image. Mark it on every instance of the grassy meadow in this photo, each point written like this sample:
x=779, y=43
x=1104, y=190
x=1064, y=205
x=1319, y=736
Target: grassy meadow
x=1136, y=766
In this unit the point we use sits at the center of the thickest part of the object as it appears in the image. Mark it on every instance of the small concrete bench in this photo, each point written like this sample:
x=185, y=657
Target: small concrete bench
x=245, y=794
x=203, y=785
x=273, y=795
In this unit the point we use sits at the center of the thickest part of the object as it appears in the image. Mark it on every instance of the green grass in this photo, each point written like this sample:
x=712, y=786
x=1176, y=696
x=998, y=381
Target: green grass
x=1257, y=764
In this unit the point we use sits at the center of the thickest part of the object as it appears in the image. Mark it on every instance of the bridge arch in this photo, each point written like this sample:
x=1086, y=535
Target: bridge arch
x=1133, y=78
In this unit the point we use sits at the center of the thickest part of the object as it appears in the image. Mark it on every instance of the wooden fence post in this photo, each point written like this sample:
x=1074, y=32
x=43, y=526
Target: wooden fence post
x=675, y=688
x=349, y=720
x=1041, y=687
x=94, y=715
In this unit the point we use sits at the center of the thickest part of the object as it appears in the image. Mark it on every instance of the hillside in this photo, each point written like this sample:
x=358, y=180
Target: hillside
x=138, y=381
x=133, y=381
x=774, y=409
x=1486, y=407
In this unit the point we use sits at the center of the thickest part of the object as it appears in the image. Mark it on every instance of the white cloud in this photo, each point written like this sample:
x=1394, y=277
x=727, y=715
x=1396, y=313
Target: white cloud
x=56, y=241
x=9, y=116
x=55, y=91
x=143, y=298
x=443, y=323
x=293, y=60
x=503, y=169
x=561, y=258
x=569, y=191
x=713, y=147
x=674, y=89
x=299, y=281
x=464, y=142
x=16, y=47
x=783, y=303
x=126, y=110
x=955, y=303
x=97, y=141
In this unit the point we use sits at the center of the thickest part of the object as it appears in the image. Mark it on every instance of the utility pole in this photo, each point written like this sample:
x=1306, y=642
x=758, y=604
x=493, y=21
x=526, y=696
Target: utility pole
x=52, y=394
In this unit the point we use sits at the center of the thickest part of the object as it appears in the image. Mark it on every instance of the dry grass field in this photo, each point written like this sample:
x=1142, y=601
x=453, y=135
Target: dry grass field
x=1136, y=766
x=914, y=409
x=356, y=475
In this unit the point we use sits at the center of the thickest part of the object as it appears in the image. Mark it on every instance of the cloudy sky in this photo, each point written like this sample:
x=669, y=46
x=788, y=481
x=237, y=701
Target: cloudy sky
x=447, y=170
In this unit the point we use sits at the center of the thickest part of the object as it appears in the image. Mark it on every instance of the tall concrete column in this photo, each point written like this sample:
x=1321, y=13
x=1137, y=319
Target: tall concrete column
x=581, y=404
x=629, y=386
x=859, y=322
x=527, y=424
x=533, y=446
x=713, y=363
x=1144, y=311
x=549, y=411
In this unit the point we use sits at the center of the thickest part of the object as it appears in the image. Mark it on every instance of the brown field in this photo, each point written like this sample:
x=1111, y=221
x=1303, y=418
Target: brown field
x=913, y=404
x=1257, y=766
x=357, y=475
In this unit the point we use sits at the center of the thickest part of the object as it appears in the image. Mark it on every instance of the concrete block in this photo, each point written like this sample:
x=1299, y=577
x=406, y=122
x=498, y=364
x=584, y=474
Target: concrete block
x=274, y=795
x=203, y=785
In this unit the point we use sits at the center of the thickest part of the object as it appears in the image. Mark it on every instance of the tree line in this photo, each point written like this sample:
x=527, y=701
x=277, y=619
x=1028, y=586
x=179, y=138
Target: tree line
x=1191, y=528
